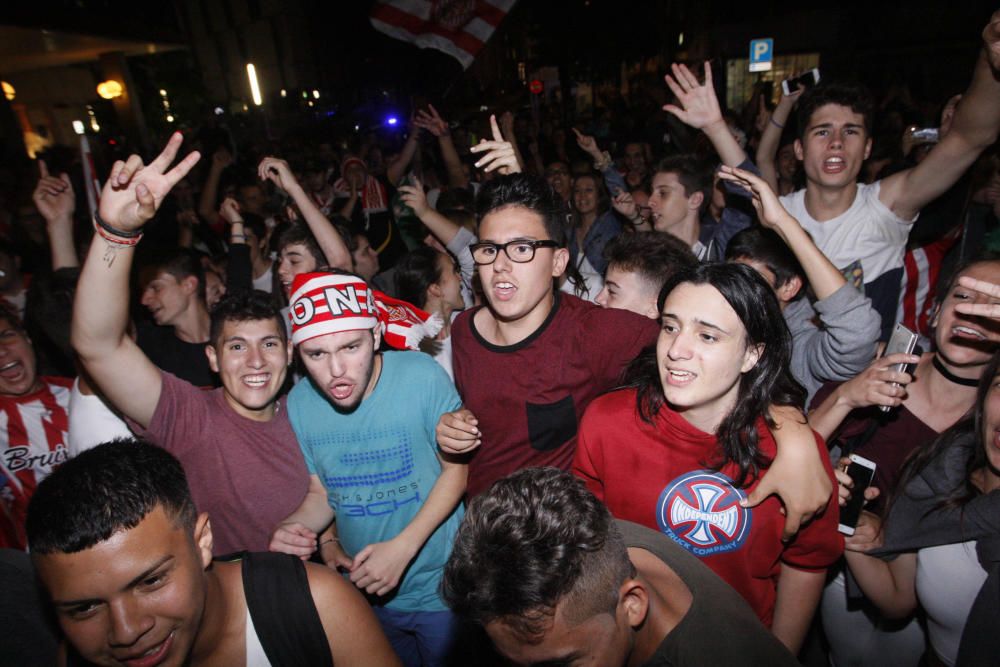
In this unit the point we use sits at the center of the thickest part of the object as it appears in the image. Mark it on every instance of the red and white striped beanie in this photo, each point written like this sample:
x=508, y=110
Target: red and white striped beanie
x=325, y=303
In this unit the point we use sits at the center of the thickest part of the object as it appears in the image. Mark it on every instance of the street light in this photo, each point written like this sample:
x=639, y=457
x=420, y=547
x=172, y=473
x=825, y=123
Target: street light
x=110, y=89
x=254, y=86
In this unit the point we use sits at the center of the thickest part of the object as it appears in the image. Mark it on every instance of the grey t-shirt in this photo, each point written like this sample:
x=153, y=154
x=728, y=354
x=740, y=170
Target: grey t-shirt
x=719, y=628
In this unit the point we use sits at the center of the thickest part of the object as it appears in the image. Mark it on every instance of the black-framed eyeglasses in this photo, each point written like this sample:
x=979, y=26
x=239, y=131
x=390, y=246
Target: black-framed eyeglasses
x=519, y=251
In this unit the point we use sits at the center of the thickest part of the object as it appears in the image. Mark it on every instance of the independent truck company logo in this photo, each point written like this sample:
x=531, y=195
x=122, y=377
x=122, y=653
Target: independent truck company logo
x=701, y=511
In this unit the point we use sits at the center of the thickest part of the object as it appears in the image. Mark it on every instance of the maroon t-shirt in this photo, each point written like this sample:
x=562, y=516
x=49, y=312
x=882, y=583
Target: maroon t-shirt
x=529, y=397
x=892, y=439
x=247, y=475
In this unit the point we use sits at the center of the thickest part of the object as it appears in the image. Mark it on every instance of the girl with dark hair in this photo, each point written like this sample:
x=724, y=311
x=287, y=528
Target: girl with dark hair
x=935, y=395
x=682, y=444
x=943, y=529
x=594, y=226
x=430, y=280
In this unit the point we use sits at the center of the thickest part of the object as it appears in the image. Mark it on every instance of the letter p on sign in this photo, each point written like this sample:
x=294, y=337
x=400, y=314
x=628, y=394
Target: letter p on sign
x=761, y=54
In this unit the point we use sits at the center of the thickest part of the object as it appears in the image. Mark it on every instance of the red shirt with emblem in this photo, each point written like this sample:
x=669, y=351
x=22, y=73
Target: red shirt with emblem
x=33, y=429
x=660, y=475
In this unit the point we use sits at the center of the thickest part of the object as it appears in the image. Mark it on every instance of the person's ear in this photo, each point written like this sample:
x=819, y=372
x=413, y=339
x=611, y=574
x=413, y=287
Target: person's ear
x=190, y=284
x=377, y=335
x=434, y=289
x=203, y=539
x=650, y=310
x=868, y=147
x=789, y=290
x=797, y=147
x=289, y=352
x=752, y=356
x=695, y=201
x=213, y=359
x=633, y=601
x=560, y=259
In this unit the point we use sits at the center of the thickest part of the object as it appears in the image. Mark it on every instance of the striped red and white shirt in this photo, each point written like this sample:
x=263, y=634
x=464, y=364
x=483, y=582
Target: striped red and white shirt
x=34, y=430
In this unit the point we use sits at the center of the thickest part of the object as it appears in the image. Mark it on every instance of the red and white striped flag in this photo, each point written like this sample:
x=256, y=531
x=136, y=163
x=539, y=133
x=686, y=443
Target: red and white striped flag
x=460, y=28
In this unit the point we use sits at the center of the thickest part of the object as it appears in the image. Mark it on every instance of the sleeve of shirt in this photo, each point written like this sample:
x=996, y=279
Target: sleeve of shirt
x=819, y=544
x=176, y=421
x=845, y=343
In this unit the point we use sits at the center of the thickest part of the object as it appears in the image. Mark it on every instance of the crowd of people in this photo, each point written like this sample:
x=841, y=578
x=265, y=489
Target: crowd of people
x=548, y=398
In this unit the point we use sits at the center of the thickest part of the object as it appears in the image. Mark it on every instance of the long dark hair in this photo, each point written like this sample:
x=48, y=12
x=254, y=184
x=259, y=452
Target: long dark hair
x=603, y=196
x=768, y=383
x=968, y=428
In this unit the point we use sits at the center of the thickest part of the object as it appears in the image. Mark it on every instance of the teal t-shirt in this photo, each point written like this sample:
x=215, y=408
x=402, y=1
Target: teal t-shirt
x=379, y=463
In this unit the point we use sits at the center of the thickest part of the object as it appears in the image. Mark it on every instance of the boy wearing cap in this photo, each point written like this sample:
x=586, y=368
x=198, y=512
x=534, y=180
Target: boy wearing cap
x=365, y=423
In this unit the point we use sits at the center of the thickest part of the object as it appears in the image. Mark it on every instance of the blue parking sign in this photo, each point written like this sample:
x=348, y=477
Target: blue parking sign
x=761, y=54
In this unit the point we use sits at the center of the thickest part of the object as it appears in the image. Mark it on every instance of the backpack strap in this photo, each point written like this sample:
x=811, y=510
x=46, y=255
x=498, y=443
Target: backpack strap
x=283, y=612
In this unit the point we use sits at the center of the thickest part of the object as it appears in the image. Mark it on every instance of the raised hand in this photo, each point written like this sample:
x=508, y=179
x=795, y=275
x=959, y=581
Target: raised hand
x=278, y=172
x=625, y=204
x=230, y=210
x=587, y=143
x=501, y=155
x=54, y=196
x=879, y=384
x=699, y=105
x=988, y=289
x=431, y=121
x=221, y=159
x=415, y=197
x=135, y=191
x=770, y=212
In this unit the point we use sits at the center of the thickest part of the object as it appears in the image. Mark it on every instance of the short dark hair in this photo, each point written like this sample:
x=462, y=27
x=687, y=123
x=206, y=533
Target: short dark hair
x=299, y=233
x=765, y=246
x=255, y=224
x=181, y=263
x=415, y=272
x=104, y=490
x=534, y=194
x=535, y=538
x=692, y=173
x=849, y=95
x=655, y=256
x=245, y=306
x=768, y=383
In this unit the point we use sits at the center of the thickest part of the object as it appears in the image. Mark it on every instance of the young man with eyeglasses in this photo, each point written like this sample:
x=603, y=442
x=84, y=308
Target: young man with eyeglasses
x=530, y=362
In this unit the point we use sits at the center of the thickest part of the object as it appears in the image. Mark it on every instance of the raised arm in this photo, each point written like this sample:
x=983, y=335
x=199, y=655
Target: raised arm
x=500, y=153
x=130, y=198
x=770, y=138
x=879, y=384
x=974, y=129
x=823, y=276
x=700, y=110
x=330, y=242
x=394, y=172
x=440, y=226
x=56, y=202
x=432, y=122
x=239, y=272
x=210, y=192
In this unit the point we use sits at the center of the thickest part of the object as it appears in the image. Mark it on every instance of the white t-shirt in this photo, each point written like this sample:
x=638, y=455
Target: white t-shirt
x=91, y=422
x=264, y=283
x=949, y=578
x=867, y=232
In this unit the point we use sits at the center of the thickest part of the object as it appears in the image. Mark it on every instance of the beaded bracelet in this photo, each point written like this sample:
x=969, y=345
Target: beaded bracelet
x=776, y=123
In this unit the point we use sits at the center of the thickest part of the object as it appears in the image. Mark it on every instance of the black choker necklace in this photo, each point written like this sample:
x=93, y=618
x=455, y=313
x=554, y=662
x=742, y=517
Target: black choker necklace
x=951, y=377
